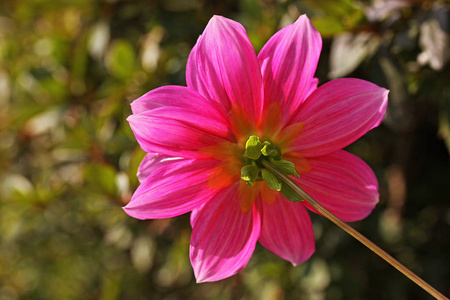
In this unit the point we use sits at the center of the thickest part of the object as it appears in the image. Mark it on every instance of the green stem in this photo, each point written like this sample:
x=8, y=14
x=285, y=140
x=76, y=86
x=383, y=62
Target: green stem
x=347, y=228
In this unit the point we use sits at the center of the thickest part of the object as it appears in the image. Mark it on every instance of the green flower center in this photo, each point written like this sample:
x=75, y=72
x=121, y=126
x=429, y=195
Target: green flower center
x=256, y=152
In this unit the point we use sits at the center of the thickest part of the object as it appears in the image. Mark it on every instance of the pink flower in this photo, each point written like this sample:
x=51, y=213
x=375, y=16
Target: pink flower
x=196, y=138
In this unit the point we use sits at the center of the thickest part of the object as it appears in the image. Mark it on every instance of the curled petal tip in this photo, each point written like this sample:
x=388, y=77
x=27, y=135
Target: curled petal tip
x=218, y=20
x=132, y=212
x=217, y=17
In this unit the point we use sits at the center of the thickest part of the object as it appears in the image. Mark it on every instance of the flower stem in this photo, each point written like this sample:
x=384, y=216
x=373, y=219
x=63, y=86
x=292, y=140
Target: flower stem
x=347, y=228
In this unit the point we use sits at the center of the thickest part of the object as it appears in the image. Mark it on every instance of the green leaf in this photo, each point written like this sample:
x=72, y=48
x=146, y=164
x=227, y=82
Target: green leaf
x=290, y=194
x=287, y=167
x=338, y=9
x=328, y=26
x=101, y=177
x=249, y=173
x=348, y=50
x=273, y=182
x=268, y=149
x=121, y=59
x=253, y=147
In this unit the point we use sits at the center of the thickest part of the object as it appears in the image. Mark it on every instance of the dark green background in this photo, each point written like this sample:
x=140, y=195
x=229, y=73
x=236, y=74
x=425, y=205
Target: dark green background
x=68, y=72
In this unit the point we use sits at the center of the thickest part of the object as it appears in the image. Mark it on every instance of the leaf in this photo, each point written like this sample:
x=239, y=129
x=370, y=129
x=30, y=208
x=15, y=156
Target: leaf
x=286, y=167
x=121, y=59
x=336, y=8
x=142, y=253
x=349, y=50
x=383, y=9
x=101, y=177
x=290, y=194
x=43, y=122
x=435, y=43
x=338, y=16
x=328, y=26
x=273, y=182
x=249, y=173
x=253, y=147
x=98, y=39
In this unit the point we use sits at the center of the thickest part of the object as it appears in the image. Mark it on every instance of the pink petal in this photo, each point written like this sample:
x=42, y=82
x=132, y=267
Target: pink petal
x=223, y=239
x=286, y=230
x=312, y=87
x=173, y=189
x=338, y=113
x=342, y=183
x=152, y=162
x=224, y=69
x=177, y=131
x=174, y=96
x=288, y=63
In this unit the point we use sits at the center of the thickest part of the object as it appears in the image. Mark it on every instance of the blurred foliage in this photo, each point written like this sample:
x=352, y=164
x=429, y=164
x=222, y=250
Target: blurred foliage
x=68, y=159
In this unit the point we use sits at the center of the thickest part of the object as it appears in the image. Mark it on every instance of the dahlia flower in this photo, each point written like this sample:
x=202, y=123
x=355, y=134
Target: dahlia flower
x=206, y=144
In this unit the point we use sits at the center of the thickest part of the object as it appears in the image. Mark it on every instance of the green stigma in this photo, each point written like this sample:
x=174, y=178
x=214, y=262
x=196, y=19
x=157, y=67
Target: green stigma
x=257, y=151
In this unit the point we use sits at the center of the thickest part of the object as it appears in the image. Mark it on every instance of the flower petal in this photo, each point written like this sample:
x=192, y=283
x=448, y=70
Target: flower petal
x=177, y=131
x=343, y=183
x=288, y=63
x=224, y=69
x=338, y=113
x=173, y=189
x=174, y=96
x=286, y=230
x=223, y=239
x=152, y=162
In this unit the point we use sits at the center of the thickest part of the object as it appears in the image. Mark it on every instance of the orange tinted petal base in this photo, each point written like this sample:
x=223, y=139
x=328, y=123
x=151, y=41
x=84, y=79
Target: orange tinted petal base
x=302, y=165
x=248, y=194
x=241, y=124
x=223, y=176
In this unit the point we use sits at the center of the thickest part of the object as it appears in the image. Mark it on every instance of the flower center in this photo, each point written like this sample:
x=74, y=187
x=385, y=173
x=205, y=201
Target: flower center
x=256, y=152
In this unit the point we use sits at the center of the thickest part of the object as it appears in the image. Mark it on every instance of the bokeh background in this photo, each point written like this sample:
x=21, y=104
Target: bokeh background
x=68, y=72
